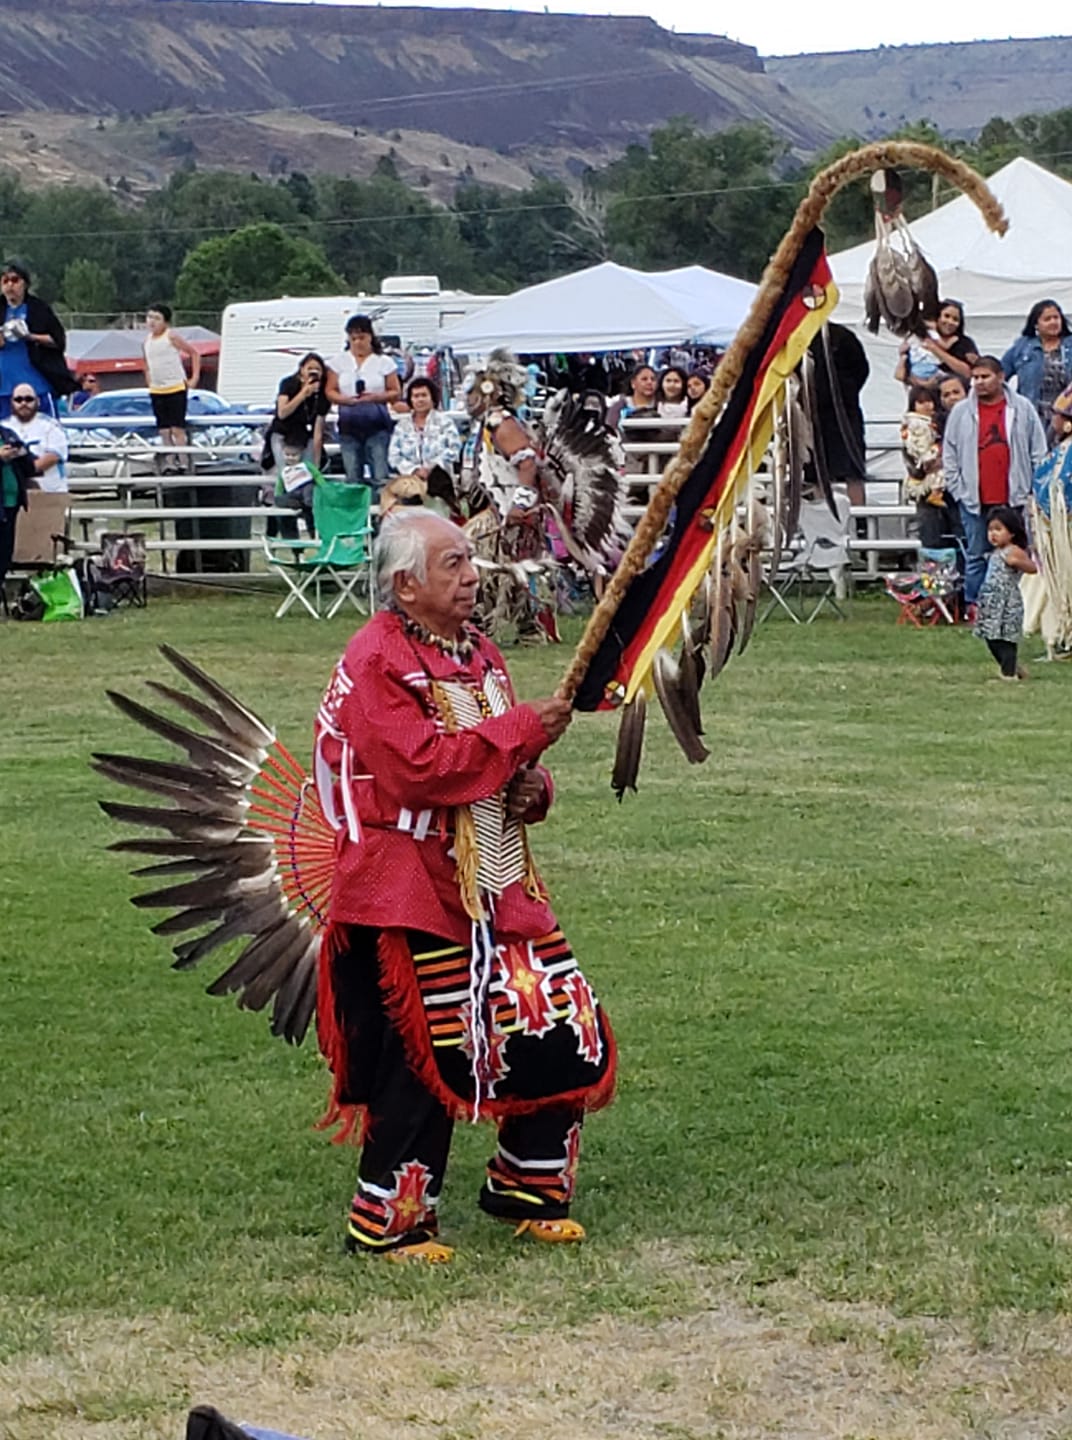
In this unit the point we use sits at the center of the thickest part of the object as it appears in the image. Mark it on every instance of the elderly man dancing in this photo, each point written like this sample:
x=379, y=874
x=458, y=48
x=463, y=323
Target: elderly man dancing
x=447, y=989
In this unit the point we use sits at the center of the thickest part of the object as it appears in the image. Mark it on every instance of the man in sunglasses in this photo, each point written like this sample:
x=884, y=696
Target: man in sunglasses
x=43, y=437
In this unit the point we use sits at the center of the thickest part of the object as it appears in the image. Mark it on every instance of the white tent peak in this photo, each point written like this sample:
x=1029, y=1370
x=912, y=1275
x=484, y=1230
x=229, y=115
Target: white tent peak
x=955, y=237
x=609, y=307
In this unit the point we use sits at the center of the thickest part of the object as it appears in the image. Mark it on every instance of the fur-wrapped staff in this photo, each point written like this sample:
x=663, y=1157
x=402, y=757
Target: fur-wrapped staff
x=691, y=566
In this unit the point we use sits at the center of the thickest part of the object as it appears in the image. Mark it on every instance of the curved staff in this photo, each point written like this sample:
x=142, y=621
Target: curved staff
x=823, y=188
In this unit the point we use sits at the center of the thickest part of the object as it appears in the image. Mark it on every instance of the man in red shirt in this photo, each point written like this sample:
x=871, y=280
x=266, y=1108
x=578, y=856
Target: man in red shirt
x=992, y=443
x=447, y=989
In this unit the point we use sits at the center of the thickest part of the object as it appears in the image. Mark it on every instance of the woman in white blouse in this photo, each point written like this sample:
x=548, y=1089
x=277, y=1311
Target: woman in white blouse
x=425, y=437
x=362, y=382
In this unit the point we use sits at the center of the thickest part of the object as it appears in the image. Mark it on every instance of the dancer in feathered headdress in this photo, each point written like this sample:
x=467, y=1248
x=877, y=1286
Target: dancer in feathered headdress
x=523, y=484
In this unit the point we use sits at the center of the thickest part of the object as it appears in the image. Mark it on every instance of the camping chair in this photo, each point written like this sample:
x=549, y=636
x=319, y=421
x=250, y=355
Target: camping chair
x=822, y=558
x=928, y=596
x=117, y=575
x=341, y=554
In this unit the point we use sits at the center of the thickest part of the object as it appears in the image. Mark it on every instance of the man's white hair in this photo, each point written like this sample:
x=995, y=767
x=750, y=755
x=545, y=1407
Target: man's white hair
x=402, y=548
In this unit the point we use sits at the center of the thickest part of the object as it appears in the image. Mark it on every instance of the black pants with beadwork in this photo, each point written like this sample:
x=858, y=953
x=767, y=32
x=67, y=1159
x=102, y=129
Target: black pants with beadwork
x=1004, y=652
x=407, y=1142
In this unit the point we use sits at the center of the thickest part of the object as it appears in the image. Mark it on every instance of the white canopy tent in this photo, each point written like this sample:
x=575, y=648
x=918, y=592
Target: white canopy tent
x=608, y=307
x=996, y=278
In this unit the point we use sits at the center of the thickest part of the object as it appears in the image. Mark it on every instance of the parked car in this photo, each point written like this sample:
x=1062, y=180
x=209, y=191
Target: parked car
x=129, y=417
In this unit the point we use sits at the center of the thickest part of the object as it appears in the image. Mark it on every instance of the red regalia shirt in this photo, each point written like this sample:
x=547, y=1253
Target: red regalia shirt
x=389, y=776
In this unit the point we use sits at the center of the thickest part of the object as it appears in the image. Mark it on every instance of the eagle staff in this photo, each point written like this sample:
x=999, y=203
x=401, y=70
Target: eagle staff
x=775, y=327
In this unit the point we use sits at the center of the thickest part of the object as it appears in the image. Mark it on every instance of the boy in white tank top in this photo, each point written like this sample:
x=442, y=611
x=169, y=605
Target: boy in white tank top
x=166, y=377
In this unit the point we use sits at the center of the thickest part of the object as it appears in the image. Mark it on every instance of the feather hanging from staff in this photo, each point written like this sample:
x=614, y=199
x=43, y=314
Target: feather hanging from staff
x=244, y=822
x=901, y=289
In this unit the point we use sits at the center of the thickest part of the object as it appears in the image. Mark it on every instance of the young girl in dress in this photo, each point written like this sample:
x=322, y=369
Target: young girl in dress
x=1000, y=617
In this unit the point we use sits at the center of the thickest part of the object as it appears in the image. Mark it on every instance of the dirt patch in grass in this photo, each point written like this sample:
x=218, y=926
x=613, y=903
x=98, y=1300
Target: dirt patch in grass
x=777, y=1363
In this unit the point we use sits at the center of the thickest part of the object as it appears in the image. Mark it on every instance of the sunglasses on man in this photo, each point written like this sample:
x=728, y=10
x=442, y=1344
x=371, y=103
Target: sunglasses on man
x=24, y=399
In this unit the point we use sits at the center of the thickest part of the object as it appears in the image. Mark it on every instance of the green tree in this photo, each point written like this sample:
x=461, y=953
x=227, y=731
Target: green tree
x=1050, y=139
x=89, y=289
x=689, y=198
x=255, y=262
x=373, y=228
x=521, y=239
x=73, y=222
x=195, y=206
x=998, y=142
x=302, y=192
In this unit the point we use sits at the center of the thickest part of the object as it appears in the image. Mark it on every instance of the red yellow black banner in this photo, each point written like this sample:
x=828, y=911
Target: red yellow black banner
x=656, y=599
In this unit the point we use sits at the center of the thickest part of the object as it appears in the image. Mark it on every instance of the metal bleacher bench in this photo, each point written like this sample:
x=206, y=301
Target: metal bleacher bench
x=105, y=502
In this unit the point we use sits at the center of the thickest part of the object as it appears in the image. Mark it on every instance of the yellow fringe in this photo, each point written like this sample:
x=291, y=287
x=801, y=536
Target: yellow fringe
x=532, y=883
x=466, y=854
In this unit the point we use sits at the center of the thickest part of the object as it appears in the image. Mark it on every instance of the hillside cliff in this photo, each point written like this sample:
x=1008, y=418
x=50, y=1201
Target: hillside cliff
x=555, y=92
x=957, y=87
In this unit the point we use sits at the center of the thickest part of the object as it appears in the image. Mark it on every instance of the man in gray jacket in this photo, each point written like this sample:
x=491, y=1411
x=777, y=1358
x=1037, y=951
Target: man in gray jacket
x=993, y=441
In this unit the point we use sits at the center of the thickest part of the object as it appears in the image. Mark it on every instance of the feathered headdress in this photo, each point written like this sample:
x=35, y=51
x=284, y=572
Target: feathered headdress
x=501, y=381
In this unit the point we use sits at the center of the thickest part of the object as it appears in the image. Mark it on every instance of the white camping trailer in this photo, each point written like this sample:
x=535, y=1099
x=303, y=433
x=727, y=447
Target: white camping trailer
x=263, y=340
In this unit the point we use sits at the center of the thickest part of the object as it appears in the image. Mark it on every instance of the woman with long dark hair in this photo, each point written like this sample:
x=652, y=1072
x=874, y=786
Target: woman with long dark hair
x=32, y=343
x=1040, y=359
x=296, y=437
x=943, y=350
x=363, y=382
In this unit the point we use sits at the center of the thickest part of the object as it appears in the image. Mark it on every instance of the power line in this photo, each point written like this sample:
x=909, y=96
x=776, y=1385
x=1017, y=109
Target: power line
x=464, y=92
x=433, y=214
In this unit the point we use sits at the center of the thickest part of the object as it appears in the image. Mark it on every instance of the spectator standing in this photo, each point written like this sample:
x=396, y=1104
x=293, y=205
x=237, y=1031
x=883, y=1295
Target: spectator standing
x=16, y=475
x=296, y=437
x=697, y=387
x=363, y=382
x=165, y=372
x=1040, y=359
x=425, y=437
x=32, y=344
x=641, y=398
x=43, y=437
x=943, y=350
x=951, y=390
x=300, y=407
x=1000, y=617
x=993, y=441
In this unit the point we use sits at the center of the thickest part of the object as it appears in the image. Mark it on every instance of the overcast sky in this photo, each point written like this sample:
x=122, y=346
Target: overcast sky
x=780, y=28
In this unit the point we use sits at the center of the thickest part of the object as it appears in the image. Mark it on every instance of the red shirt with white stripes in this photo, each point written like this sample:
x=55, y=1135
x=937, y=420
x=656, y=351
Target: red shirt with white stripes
x=390, y=776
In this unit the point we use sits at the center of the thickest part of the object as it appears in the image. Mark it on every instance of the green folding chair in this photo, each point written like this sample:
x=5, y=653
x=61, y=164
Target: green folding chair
x=338, y=560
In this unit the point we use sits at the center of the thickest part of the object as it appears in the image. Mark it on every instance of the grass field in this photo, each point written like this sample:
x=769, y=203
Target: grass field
x=833, y=1197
